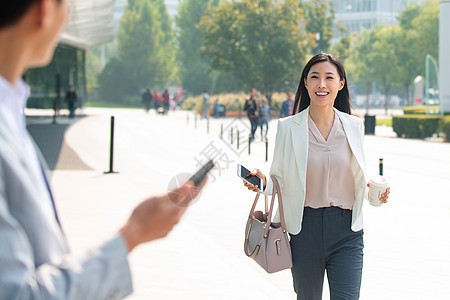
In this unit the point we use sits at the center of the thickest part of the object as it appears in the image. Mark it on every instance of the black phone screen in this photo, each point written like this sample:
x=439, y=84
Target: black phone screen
x=253, y=179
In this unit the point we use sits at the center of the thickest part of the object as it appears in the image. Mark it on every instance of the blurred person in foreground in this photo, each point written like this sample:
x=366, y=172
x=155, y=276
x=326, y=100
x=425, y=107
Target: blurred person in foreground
x=320, y=164
x=35, y=262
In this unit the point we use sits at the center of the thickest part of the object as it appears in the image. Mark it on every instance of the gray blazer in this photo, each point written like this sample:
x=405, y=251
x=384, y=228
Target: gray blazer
x=290, y=160
x=34, y=257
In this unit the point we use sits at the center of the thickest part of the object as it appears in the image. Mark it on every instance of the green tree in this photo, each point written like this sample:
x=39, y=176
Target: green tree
x=194, y=69
x=139, y=44
x=145, y=44
x=260, y=42
x=385, y=66
x=361, y=60
x=114, y=83
x=168, y=69
x=319, y=18
x=418, y=36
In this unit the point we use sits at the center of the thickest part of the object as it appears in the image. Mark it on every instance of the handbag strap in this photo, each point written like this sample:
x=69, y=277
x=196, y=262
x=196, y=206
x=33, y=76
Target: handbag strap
x=256, y=201
x=276, y=191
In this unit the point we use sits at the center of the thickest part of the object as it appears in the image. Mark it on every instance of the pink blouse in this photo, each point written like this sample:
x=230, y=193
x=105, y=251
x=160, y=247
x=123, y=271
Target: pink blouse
x=329, y=177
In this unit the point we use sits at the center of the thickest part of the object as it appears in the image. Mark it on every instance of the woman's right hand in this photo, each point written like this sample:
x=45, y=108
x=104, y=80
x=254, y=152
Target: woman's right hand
x=253, y=187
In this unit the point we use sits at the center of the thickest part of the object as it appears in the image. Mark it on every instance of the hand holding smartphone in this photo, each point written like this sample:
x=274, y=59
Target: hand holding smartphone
x=244, y=173
x=201, y=174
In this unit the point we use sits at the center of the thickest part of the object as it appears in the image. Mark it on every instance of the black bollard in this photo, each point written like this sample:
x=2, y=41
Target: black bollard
x=57, y=99
x=267, y=150
x=237, y=139
x=249, y=142
x=231, y=135
x=221, y=131
x=111, y=149
x=381, y=167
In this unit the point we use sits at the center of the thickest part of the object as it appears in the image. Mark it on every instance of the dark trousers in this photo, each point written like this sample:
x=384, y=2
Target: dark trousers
x=326, y=242
x=262, y=123
x=254, y=126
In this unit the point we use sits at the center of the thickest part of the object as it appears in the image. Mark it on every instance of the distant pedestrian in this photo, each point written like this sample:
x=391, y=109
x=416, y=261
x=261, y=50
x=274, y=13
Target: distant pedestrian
x=147, y=99
x=166, y=101
x=71, y=99
x=287, y=106
x=252, y=113
x=206, y=104
x=216, y=109
x=264, y=117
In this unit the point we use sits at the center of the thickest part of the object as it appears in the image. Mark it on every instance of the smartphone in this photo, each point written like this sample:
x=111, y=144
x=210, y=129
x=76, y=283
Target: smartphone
x=200, y=174
x=244, y=173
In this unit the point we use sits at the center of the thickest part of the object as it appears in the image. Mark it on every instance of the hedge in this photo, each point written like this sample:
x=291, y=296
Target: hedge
x=232, y=102
x=415, y=126
x=445, y=127
x=419, y=110
x=41, y=102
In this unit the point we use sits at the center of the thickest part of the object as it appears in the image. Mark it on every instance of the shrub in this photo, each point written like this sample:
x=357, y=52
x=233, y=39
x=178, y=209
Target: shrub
x=415, y=126
x=43, y=102
x=445, y=127
x=232, y=102
x=419, y=110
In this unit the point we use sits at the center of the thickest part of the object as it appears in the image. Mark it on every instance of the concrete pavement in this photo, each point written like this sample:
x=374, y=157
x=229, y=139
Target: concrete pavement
x=407, y=244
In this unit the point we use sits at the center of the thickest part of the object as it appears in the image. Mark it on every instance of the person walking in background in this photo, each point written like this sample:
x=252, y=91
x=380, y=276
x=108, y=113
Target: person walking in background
x=72, y=100
x=206, y=104
x=251, y=108
x=147, y=99
x=156, y=100
x=287, y=106
x=35, y=261
x=216, y=108
x=264, y=117
x=166, y=101
x=320, y=164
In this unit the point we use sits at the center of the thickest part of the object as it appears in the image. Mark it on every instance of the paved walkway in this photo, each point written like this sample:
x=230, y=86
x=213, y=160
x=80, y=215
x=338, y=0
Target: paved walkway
x=407, y=241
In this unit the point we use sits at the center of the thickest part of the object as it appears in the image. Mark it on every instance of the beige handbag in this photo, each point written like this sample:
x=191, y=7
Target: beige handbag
x=265, y=241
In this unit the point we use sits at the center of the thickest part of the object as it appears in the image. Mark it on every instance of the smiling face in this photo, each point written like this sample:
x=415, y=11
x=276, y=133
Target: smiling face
x=323, y=84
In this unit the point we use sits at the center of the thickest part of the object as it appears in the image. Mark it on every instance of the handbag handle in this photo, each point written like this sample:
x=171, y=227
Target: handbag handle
x=276, y=191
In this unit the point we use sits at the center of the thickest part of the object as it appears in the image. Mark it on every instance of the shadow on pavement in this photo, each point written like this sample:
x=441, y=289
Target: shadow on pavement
x=50, y=140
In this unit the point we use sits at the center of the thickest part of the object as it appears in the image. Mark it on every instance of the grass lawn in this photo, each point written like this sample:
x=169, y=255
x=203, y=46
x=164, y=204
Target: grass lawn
x=385, y=122
x=108, y=105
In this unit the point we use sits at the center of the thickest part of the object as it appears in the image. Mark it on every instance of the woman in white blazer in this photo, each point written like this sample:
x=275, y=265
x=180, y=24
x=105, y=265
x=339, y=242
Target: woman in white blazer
x=319, y=162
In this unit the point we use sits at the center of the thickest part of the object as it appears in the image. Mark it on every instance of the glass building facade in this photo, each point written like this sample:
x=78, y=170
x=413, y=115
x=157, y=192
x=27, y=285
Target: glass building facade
x=355, y=15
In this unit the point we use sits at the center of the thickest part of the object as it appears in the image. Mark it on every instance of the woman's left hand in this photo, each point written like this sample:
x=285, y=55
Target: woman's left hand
x=384, y=197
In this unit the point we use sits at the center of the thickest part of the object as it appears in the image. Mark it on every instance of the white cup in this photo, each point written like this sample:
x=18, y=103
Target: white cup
x=377, y=186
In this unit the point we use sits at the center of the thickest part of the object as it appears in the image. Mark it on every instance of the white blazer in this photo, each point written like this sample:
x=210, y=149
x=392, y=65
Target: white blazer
x=290, y=160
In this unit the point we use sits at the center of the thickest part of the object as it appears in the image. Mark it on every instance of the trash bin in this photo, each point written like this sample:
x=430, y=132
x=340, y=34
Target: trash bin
x=369, y=124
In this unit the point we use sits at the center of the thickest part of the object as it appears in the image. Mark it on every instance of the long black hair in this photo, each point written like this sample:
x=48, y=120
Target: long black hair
x=302, y=99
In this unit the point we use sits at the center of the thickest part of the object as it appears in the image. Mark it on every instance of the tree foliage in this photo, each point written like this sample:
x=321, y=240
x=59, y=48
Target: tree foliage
x=319, y=17
x=260, y=42
x=114, y=83
x=146, y=52
x=194, y=69
x=395, y=54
